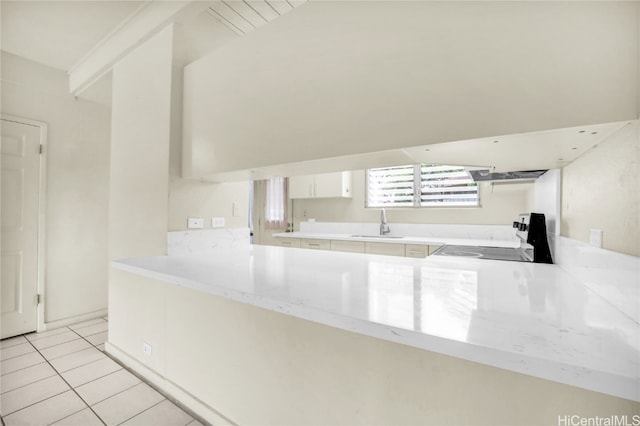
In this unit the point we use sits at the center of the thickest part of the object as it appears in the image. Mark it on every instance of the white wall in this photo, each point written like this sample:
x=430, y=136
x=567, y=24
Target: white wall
x=77, y=185
x=547, y=199
x=500, y=205
x=601, y=190
x=335, y=78
x=193, y=197
x=140, y=136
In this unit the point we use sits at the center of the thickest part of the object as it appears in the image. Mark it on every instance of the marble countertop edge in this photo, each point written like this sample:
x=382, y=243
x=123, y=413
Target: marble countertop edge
x=514, y=243
x=586, y=378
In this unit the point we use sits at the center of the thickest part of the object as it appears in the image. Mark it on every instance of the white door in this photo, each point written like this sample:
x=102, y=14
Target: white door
x=20, y=146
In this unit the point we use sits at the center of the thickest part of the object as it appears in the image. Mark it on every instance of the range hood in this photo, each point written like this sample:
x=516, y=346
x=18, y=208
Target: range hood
x=487, y=175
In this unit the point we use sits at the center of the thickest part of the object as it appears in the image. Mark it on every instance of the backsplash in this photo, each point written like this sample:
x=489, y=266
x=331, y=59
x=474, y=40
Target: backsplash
x=484, y=232
x=207, y=240
x=613, y=276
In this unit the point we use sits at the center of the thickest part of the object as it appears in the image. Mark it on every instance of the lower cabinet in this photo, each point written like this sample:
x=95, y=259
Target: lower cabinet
x=315, y=244
x=416, y=250
x=348, y=246
x=389, y=249
x=289, y=242
x=385, y=248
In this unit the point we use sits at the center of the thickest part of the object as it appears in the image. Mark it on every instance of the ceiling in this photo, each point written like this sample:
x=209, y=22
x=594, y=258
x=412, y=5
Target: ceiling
x=59, y=33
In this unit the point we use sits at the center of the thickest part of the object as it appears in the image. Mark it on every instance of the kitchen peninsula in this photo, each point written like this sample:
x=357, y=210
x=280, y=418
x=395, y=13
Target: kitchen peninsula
x=276, y=335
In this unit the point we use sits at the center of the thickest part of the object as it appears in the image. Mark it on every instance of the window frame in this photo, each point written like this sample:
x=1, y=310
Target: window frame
x=417, y=189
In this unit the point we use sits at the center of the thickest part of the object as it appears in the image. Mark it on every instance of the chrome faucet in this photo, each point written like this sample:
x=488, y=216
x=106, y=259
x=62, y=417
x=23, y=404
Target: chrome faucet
x=384, y=228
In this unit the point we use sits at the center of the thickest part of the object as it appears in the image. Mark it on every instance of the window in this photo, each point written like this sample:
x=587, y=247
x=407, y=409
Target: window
x=421, y=185
x=275, y=206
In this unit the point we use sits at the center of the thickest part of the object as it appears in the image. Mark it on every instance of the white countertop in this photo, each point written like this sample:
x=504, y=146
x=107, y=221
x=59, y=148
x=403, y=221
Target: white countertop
x=534, y=319
x=435, y=241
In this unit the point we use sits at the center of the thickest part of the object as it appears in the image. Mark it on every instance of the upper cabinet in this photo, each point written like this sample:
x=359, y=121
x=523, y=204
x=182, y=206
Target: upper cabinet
x=324, y=185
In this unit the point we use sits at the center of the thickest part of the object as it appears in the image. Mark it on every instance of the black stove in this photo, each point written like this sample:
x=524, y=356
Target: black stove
x=534, y=246
x=494, y=253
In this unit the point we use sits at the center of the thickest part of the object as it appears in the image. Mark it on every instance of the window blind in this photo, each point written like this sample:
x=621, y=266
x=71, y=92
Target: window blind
x=391, y=186
x=421, y=185
x=447, y=186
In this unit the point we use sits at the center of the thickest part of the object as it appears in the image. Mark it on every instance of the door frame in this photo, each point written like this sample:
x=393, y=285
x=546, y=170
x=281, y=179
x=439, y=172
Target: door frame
x=42, y=204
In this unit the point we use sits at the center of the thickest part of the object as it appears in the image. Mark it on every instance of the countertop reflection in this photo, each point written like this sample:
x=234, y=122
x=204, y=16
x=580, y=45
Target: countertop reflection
x=535, y=319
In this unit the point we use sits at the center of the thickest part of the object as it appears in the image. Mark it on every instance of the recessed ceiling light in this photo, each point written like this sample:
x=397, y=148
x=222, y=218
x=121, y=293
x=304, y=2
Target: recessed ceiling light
x=427, y=149
x=560, y=159
x=574, y=148
x=594, y=133
x=582, y=131
x=496, y=141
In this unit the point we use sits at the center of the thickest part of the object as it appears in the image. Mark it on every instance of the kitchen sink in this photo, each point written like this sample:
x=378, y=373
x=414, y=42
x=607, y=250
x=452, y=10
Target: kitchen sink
x=376, y=236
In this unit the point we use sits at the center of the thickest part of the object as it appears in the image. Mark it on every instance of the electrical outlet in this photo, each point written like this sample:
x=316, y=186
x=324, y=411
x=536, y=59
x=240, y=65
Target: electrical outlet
x=595, y=237
x=217, y=222
x=146, y=349
x=195, y=223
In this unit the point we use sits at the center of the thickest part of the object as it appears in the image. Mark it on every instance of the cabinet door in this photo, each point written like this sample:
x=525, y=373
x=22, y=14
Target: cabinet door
x=385, y=248
x=348, y=246
x=289, y=242
x=301, y=186
x=416, y=250
x=328, y=185
x=315, y=244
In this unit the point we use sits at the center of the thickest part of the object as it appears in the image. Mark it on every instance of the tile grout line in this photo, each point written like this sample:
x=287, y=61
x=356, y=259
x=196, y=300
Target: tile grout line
x=117, y=393
x=39, y=380
x=168, y=397
x=145, y=410
x=23, y=368
x=10, y=346
x=72, y=389
x=17, y=356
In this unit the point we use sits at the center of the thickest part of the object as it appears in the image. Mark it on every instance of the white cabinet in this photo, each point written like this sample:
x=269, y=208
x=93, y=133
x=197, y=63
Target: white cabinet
x=324, y=185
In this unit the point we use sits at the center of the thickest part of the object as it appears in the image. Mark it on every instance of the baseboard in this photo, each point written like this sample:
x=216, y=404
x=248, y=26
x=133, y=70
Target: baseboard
x=75, y=319
x=166, y=387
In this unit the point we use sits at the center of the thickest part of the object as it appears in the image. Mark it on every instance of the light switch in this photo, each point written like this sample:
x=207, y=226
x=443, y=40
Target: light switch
x=217, y=222
x=195, y=223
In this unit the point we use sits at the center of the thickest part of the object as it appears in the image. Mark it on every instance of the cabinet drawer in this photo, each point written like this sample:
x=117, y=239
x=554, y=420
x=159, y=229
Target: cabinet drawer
x=348, y=246
x=385, y=248
x=315, y=244
x=416, y=250
x=288, y=242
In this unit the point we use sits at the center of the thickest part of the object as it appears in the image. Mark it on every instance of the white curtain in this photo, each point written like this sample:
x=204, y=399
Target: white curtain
x=275, y=213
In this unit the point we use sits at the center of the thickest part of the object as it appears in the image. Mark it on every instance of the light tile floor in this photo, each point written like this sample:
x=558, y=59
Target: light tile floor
x=63, y=377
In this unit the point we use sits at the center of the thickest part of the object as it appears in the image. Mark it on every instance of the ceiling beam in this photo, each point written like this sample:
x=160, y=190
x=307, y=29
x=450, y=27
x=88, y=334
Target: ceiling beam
x=143, y=23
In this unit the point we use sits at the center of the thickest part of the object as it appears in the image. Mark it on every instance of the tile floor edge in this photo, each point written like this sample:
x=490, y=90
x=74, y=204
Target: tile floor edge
x=151, y=379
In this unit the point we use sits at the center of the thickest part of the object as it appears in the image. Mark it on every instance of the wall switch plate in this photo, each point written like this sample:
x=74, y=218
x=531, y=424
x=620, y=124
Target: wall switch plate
x=217, y=222
x=195, y=223
x=234, y=210
x=595, y=237
x=146, y=349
